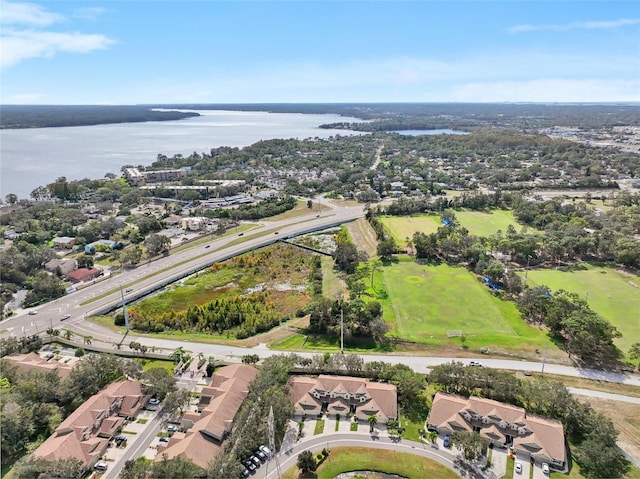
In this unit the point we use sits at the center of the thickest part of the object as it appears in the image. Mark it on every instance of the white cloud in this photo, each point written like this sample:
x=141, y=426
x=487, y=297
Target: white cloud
x=590, y=25
x=22, y=99
x=26, y=14
x=21, y=45
x=549, y=90
x=24, y=39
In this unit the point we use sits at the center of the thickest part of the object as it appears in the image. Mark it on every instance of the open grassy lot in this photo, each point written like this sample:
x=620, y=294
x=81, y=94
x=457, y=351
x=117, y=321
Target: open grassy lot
x=362, y=235
x=485, y=224
x=478, y=223
x=422, y=302
x=403, y=227
x=613, y=294
x=345, y=459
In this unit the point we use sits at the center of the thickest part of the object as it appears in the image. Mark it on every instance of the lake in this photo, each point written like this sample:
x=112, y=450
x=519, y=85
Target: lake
x=35, y=157
x=445, y=131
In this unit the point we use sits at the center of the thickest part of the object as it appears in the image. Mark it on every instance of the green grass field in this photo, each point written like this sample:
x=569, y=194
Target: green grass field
x=403, y=227
x=486, y=224
x=478, y=223
x=346, y=459
x=613, y=295
x=423, y=302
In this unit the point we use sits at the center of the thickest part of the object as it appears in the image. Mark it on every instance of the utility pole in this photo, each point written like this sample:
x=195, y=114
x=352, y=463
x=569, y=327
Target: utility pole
x=544, y=359
x=342, y=330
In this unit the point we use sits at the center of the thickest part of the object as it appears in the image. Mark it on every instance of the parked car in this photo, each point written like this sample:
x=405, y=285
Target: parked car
x=246, y=473
x=101, y=466
x=154, y=401
x=261, y=455
x=33, y=312
x=249, y=465
x=65, y=317
x=256, y=461
x=172, y=428
x=164, y=439
x=266, y=450
x=545, y=468
x=447, y=440
x=518, y=467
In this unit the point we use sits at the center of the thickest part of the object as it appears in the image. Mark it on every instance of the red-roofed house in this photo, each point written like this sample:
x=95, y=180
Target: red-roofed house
x=85, y=434
x=83, y=274
x=342, y=395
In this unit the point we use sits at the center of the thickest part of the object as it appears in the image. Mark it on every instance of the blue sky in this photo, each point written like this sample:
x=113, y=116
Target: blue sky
x=209, y=51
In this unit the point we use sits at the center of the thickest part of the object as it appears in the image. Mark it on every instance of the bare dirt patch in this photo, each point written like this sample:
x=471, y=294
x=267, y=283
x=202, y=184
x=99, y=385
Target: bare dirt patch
x=625, y=418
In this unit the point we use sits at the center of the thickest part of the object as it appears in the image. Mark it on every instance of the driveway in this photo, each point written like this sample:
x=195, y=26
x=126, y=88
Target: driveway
x=526, y=468
x=288, y=455
x=499, y=462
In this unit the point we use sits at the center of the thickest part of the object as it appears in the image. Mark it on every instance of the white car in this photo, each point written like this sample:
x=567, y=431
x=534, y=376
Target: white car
x=475, y=363
x=101, y=466
x=33, y=312
x=154, y=401
x=519, y=467
x=545, y=468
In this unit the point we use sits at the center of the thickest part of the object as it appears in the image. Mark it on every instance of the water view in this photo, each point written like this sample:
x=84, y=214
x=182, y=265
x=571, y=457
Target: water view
x=445, y=131
x=37, y=156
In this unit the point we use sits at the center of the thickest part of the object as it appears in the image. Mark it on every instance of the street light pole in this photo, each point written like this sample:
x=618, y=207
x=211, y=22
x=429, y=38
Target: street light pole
x=544, y=359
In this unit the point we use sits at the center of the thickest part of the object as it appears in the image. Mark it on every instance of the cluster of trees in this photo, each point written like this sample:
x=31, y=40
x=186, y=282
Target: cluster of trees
x=33, y=404
x=243, y=316
x=569, y=318
x=592, y=435
x=269, y=207
x=355, y=317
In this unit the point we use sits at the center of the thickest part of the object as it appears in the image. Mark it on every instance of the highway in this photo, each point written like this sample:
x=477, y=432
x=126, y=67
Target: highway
x=150, y=276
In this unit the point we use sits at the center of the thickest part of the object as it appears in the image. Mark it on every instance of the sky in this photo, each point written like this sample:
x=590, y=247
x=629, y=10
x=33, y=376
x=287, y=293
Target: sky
x=210, y=51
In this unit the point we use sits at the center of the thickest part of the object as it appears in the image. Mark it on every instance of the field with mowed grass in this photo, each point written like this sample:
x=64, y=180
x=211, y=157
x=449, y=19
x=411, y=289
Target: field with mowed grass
x=485, y=224
x=347, y=459
x=477, y=222
x=615, y=295
x=422, y=302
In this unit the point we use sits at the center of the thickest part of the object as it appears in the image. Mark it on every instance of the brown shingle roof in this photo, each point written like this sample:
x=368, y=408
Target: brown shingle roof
x=201, y=443
x=535, y=435
x=32, y=362
x=341, y=392
x=77, y=435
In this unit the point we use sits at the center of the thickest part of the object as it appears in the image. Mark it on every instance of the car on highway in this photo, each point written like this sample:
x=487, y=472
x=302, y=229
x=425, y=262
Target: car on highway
x=545, y=468
x=33, y=312
x=447, y=441
x=128, y=290
x=518, y=467
x=65, y=317
x=276, y=233
x=475, y=363
x=241, y=234
x=317, y=216
x=208, y=246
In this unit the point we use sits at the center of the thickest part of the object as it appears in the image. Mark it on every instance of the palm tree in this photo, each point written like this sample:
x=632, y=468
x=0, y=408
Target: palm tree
x=177, y=354
x=88, y=339
x=68, y=334
x=373, y=420
x=432, y=436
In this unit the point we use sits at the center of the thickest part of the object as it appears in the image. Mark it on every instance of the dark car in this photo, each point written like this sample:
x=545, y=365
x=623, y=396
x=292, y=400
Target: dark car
x=241, y=234
x=249, y=465
x=446, y=441
x=208, y=246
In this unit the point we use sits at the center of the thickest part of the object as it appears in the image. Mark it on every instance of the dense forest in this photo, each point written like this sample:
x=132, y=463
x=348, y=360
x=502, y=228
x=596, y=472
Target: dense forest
x=43, y=116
